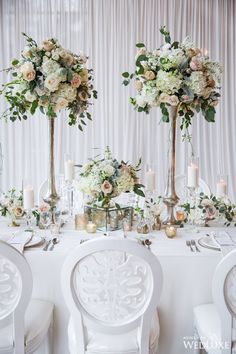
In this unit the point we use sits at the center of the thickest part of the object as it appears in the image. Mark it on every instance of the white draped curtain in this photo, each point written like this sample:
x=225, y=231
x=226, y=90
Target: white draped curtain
x=107, y=31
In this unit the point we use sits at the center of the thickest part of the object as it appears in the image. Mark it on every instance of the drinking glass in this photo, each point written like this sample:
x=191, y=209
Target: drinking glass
x=45, y=218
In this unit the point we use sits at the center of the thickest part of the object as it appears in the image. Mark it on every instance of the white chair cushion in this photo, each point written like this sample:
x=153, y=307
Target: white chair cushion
x=207, y=322
x=37, y=321
x=125, y=343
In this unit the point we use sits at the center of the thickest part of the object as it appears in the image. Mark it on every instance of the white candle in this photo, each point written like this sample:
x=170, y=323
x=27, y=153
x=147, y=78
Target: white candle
x=192, y=176
x=221, y=188
x=69, y=170
x=28, y=198
x=150, y=180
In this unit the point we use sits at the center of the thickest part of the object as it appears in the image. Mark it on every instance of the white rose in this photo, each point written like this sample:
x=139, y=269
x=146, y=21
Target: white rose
x=52, y=82
x=27, y=70
x=109, y=170
x=170, y=99
x=49, y=66
x=140, y=101
x=207, y=202
x=84, y=75
x=30, y=97
x=61, y=103
x=138, y=85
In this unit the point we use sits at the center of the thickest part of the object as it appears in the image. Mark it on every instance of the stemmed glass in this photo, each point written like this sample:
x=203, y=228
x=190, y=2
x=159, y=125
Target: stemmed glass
x=45, y=218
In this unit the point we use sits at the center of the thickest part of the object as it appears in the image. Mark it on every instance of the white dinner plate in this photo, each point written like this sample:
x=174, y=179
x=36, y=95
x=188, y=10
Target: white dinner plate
x=207, y=242
x=34, y=241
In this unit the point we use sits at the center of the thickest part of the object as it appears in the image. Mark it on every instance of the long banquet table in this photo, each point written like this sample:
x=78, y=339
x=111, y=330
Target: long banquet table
x=187, y=282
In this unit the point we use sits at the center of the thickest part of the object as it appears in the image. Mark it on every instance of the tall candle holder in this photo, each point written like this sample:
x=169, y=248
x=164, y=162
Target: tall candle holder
x=69, y=178
x=28, y=217
x=193, y=176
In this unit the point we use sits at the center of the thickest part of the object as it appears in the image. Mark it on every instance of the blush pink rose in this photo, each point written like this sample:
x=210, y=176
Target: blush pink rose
x=47, y=46
x=106, y=187
x=195, y=64
x=76, y=81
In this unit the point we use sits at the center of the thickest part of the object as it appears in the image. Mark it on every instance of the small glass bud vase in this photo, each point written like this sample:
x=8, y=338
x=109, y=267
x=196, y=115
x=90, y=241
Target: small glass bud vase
x=143, y=226
x=157, y=223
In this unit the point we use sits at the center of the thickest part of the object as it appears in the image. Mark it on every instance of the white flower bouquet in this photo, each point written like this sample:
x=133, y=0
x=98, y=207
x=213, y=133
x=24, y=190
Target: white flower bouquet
x=49, y=78
x=11, y=204
x=106, y=178
x=176, y=74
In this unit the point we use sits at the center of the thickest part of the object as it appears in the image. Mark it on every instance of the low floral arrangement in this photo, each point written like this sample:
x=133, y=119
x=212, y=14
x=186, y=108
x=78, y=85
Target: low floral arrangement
x=50, y=78
x=106, y=178
x=154, y=206
x=210, y=208
x=11, y=205
x=176, y=74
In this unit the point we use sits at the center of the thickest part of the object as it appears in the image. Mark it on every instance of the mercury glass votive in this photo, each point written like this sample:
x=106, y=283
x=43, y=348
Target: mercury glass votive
x=180, y=215
x=170, y=231
x=81, y=221
x=127, y=225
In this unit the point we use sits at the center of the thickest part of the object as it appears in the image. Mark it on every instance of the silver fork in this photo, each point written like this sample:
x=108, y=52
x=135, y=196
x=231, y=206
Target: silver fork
x=188, y=243
x=193, y=243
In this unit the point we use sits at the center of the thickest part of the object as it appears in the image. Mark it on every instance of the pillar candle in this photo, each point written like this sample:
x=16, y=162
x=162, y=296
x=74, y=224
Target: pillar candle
x=192, y=176
x=150, y=180
x=221, y=188
x=28, y=198
x=69, y=170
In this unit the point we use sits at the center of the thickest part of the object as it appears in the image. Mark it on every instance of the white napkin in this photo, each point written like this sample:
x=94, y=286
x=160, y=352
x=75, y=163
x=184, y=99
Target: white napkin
x=223, y=239
x=20, y=239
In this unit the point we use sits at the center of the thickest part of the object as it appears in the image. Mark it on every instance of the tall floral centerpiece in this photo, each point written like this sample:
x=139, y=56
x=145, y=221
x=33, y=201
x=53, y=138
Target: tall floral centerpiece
x=49, y=78
x=181, y=80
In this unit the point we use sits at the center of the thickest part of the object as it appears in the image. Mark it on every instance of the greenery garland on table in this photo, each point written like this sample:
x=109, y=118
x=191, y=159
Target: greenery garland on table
x=208, y=208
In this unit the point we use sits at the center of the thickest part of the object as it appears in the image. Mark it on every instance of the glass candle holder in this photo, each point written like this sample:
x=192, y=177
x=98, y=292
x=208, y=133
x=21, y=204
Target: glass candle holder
x=170, y=231
x=193, y=173
x=221, y=185
x=81, y=221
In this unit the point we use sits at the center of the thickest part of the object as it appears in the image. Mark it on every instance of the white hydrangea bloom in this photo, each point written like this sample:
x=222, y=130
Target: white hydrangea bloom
x=198, y=83
x=124, y=183
x=168, y=82
x=49, y=66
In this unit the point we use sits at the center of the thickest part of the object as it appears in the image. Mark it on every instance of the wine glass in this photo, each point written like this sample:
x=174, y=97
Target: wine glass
x=45, y=218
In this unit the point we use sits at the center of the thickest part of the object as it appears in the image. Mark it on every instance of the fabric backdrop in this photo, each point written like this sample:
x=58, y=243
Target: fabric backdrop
x=107, y=31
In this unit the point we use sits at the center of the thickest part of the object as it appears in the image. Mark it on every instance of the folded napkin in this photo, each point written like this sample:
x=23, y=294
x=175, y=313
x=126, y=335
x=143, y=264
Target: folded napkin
x=20, y=239
x=224, y=241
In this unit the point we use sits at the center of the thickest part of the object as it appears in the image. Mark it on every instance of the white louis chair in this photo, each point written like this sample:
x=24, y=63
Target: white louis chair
x=215, y=324
x=25, y=324
x=112, y=288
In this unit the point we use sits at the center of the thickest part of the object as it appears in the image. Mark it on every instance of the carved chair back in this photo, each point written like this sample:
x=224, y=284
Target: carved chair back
x=224, y=297
x=112, y=286
x=15, y=293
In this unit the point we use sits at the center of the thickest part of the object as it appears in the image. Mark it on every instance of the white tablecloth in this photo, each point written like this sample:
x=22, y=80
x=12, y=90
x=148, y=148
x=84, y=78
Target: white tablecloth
x=187, y=282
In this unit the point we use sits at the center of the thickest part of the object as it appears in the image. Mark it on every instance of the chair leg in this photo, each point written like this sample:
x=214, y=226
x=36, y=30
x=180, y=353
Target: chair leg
x=197, y=342
x=49, y=340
